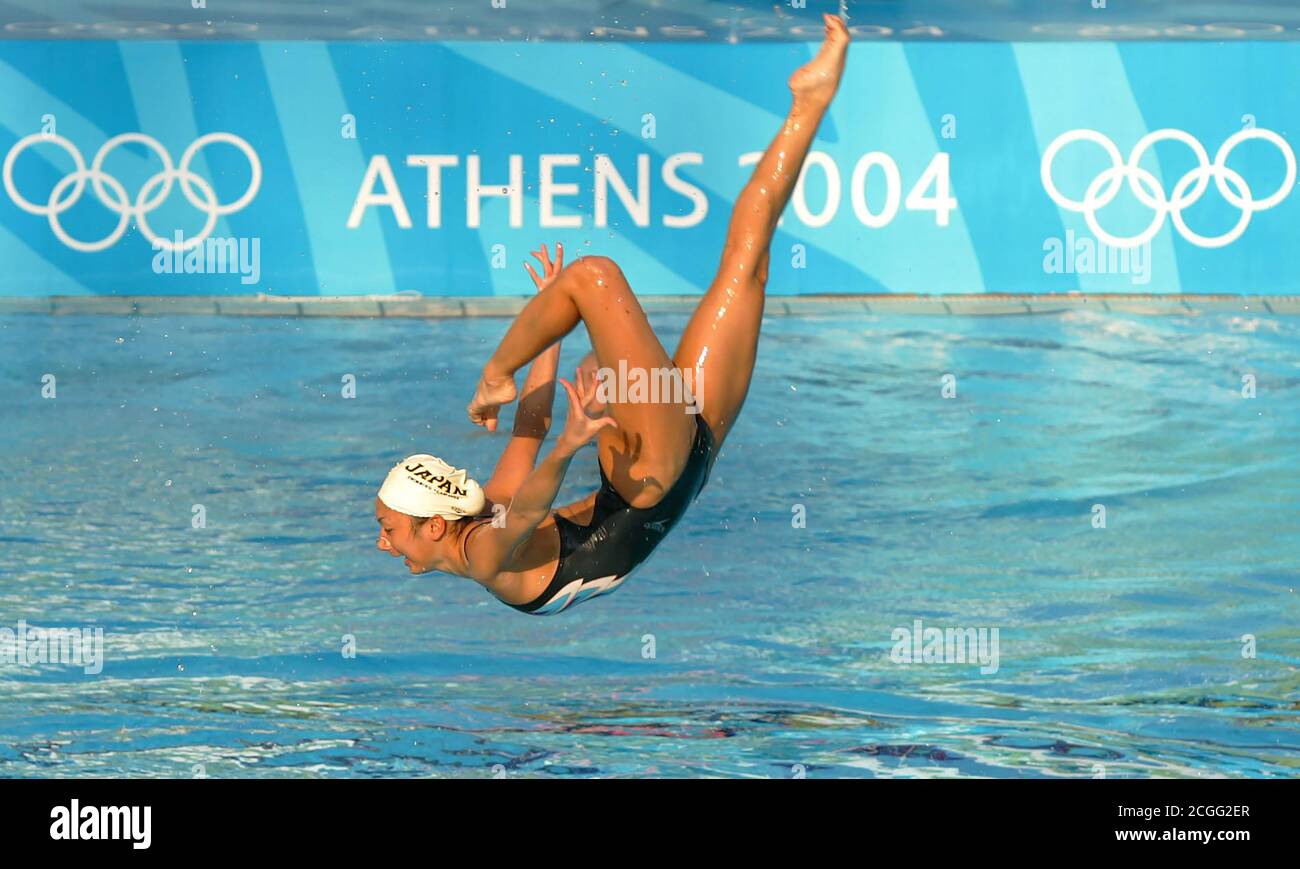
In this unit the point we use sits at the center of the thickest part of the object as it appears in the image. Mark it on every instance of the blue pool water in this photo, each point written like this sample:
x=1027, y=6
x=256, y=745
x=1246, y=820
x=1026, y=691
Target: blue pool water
x=1120, y=648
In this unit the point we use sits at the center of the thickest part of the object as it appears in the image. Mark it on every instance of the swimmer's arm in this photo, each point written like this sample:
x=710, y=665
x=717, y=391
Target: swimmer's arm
x=493, y=548
x=532, y=423
x=532, y=503
x=533, y=413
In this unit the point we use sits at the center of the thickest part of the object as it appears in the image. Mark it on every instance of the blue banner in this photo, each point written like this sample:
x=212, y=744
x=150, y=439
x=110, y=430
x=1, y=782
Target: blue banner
x=304, y=168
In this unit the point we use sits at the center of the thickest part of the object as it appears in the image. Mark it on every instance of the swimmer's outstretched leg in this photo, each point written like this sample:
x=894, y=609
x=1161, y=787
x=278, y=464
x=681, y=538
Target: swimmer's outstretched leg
x=721, y=340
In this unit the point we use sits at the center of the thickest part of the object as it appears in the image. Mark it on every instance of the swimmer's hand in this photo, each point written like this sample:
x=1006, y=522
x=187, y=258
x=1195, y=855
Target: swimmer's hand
x=579, y=428
x=588, y=368
x=492, y=392
x=550, y=270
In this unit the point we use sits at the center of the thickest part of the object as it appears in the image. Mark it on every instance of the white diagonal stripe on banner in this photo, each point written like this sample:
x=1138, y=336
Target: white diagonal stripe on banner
x=327, y=169
x=1093, y=93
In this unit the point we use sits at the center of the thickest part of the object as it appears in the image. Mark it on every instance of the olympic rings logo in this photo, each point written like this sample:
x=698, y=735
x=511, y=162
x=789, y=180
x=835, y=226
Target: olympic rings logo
x=1148, y=190
x=114, y=196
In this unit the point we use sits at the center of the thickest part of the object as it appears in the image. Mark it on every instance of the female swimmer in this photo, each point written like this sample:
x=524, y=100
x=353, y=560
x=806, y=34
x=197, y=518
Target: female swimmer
x=655, y=446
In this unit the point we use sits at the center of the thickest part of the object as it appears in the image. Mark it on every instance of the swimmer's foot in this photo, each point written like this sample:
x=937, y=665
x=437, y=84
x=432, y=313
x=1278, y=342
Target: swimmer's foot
x=816, y=81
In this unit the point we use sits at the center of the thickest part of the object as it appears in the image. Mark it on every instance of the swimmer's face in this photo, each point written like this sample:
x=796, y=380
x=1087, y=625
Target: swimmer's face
x=423, y=548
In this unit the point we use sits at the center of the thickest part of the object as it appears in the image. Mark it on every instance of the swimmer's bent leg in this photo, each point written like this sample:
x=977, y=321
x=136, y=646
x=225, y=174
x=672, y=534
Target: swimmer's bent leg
x=644, y=456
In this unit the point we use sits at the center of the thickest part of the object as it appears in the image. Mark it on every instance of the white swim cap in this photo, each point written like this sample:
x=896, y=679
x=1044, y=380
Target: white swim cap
x=424, y=485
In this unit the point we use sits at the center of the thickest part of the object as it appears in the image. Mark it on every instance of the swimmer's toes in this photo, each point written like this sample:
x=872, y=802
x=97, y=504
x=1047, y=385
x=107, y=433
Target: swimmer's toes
x=836, y=29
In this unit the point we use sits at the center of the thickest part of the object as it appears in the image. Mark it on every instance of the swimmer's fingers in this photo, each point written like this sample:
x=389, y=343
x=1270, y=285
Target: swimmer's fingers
x=536, y=280
x=484, y=416
x=579, y=427
x=575, y=401
x=579, y=377
x=545, y=257
x=546, y=269
x=591, y=391
x=488, y=398
x=587, y=383
x=549, y=269
x=596, y=406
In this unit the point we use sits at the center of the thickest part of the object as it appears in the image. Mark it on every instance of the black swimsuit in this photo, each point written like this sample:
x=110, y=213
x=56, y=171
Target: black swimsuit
x=596, y=558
